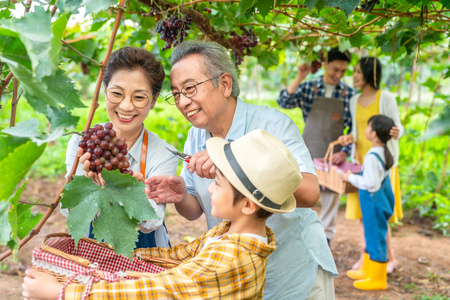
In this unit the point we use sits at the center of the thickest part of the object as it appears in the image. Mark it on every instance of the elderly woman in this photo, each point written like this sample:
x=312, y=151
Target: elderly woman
x=133, y=81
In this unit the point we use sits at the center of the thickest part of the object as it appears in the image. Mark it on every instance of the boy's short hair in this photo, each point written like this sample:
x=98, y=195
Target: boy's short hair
x=238, y=196
x=335, y=54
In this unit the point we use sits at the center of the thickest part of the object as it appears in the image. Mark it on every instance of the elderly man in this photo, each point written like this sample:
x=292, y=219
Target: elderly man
x=205, y=90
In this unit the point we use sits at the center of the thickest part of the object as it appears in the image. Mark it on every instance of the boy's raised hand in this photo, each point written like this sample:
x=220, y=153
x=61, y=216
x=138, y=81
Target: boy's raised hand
x=166, y=189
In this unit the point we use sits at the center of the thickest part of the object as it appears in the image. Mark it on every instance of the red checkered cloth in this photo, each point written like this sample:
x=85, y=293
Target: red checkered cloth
x=101, y=258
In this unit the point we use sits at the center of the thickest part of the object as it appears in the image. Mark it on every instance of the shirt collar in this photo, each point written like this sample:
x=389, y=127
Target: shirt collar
x=321, y=83
x=238, y=125
x=248, y=242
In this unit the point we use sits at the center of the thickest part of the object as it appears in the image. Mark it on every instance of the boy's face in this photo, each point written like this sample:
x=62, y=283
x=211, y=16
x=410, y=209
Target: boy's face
x=222, y=198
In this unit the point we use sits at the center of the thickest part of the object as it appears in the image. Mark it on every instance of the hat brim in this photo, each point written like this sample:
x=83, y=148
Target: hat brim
x=215, y=147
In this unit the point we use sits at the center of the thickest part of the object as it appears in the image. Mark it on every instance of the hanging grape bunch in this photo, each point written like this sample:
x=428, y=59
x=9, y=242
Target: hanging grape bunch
x=241, y=44
x=106, y=149
x=316, y=64
x=173, y=29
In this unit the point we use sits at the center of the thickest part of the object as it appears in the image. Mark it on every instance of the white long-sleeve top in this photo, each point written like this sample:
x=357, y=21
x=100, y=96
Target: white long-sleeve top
x=373, y=171
x=389, y=108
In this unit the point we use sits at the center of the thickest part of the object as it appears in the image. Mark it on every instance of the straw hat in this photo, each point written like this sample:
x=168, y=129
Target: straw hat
x=261, y=167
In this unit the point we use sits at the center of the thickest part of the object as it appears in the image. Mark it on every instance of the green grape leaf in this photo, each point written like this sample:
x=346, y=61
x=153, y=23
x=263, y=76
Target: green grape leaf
x=445, y=3
x=28, y=219
x=69, y=6
x=35, y=31
x=5, y=227
x=264, y=7
x=14, y=165
x=310, y=4
x=123, y=205
x=347, y=6
x=95, y=6
x=61, y=118
x=58, y=28
x=268, y=59
x=245, y=7
x=15, y=216
x=356, y=40
x=29, y=129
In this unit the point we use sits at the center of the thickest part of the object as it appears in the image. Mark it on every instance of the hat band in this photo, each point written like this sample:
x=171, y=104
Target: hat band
x=246, y=181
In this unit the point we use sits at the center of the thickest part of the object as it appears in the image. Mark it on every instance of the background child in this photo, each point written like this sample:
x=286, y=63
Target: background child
x=377, y=204
x=257, y=176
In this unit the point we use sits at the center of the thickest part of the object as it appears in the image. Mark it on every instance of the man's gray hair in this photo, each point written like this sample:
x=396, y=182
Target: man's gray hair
x=215, y=57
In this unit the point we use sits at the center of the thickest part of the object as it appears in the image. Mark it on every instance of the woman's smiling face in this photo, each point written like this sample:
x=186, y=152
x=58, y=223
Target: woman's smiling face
x=125, y=117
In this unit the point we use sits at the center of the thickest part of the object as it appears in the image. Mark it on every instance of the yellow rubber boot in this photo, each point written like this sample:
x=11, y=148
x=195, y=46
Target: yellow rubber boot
x=377, y=277
x=363, y=272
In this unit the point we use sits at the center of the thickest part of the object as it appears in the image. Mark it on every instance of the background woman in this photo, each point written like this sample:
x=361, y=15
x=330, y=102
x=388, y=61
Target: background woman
x=133, y=81
x=373, y=101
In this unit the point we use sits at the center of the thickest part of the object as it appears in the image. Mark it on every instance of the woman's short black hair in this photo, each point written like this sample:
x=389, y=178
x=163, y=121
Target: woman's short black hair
x=371, y=70
x=335, y=54
x=131, y=58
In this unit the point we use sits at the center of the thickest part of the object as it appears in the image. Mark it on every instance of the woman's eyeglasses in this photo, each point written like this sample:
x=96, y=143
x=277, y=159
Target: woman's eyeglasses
x=115, y=96
x=189, y=90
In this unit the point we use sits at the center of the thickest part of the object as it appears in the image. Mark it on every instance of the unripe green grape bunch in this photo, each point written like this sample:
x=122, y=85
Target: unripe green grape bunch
x=107, y=150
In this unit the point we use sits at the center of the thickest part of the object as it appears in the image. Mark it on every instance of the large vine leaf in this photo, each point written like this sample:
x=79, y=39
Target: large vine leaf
x=29, y=129
x=95, y=6
x=21, y=220
x=123, y=205
x=35, y=32
x=15, y=163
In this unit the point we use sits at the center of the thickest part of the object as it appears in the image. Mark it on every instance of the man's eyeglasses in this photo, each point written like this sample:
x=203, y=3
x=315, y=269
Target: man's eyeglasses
x=115, y=96
x=189, y=90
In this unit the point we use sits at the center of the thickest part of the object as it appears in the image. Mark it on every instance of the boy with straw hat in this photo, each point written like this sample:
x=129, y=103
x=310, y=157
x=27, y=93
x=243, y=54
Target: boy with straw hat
x=256, y=176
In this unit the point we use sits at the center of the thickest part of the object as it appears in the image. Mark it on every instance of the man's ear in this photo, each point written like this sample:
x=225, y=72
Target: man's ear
x=227, y=84
x=249, y=207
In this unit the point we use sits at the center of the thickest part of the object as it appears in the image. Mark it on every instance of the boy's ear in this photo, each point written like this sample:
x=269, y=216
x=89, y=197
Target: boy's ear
x=249, y=207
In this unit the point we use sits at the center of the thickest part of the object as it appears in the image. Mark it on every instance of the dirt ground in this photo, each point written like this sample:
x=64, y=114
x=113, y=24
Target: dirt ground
x=422, y=253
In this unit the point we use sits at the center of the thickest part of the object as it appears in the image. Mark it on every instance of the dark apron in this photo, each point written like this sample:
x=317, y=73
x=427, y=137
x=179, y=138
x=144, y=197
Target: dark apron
x=325, y=123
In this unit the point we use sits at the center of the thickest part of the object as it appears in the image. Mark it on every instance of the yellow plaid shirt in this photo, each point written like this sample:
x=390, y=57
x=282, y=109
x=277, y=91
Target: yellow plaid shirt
x=232, y=268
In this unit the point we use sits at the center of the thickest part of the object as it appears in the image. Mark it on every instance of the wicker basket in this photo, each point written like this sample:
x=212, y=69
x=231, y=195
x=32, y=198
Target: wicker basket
x=91, y=261
x=329, y=174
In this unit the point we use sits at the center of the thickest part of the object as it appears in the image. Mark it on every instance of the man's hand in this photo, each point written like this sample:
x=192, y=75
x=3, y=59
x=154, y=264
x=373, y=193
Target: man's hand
x=202, y=164
x=166, y=189
x=345, y=140
x=339, y=158
x=303, y=70
x=40, y=286
x=394, y=132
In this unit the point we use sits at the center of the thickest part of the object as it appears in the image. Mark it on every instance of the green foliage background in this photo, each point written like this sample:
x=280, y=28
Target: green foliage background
x=55, y=81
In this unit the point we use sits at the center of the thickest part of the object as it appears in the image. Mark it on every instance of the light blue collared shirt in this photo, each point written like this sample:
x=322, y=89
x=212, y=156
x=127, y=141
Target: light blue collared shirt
x=301, y=241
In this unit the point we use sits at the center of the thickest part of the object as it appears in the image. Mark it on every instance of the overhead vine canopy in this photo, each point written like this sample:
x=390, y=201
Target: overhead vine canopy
x=395, y=26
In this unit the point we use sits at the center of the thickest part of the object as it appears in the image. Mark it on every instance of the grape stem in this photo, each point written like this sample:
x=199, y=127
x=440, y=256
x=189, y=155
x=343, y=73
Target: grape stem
x=74, y=132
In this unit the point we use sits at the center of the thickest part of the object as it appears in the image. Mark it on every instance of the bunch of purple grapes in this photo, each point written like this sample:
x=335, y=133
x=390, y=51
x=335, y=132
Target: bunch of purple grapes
x=173, y=29
x=316, y=64
x=106, y=149
x=241, y=44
